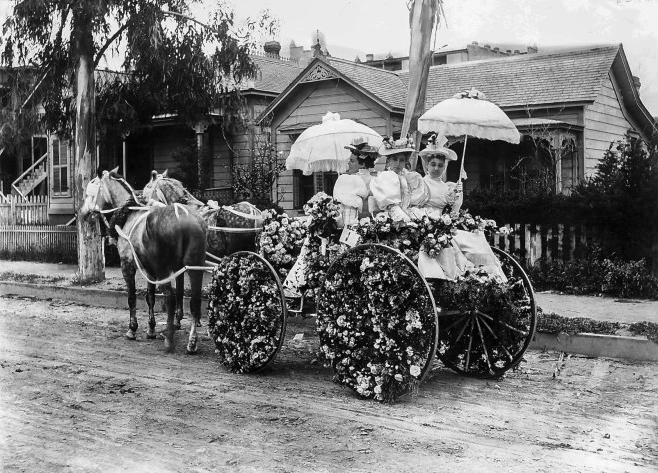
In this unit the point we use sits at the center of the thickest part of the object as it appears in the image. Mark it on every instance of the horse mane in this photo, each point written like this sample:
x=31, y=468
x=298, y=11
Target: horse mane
x=120, y=216
x=122, y=181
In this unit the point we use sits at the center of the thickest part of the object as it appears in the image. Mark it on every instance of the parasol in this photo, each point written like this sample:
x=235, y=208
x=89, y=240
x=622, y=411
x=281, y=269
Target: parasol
x=469, y=113
x=322, y=147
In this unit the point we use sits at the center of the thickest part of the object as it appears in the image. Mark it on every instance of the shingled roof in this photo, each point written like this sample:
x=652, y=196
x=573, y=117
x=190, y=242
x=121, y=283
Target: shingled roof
x=274, y=73
x=533, y=79
x=386, y=85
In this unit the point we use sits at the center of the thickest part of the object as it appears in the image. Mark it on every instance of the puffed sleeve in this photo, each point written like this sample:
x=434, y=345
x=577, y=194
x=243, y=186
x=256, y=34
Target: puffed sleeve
x=385, y=189
x=420, y=193
x=350, y=190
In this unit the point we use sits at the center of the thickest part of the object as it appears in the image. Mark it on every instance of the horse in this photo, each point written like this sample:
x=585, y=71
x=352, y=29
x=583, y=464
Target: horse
x=160, y=241
x=230, y=228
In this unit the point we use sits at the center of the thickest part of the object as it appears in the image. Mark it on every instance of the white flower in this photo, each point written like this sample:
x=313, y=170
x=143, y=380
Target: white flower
x=398, y=378
x=445, y=218
x=415, y=371
x=378, y=389
x=364, y=221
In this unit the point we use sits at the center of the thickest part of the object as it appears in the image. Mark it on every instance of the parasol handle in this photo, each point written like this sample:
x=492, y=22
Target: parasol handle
x=461, y=170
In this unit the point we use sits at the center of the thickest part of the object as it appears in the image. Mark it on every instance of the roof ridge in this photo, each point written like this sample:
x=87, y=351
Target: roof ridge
x=528, y=57
x=359, y=64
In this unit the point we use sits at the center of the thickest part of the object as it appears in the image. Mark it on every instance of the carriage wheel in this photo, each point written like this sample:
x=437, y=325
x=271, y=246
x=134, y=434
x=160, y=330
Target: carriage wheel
x=247, y=312
x=491, y=336
x=377, y=322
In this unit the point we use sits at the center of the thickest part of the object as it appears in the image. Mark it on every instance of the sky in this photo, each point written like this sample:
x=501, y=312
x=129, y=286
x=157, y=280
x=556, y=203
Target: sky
x=380, y=27
x=358, y=27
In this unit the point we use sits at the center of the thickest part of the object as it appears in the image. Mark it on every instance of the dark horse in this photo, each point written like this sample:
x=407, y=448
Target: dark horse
x=160, y=241
x=230, y=228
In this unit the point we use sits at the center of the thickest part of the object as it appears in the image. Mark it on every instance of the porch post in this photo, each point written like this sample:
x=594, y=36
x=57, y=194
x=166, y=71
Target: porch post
x=200, y=129
x=124, y=169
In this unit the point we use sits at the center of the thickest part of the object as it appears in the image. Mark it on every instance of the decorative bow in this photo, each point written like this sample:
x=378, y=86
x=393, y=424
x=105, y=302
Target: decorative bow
x=470, y=94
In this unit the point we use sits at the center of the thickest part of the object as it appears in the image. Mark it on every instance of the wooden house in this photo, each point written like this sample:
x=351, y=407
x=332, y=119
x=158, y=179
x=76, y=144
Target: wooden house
x=576, y=102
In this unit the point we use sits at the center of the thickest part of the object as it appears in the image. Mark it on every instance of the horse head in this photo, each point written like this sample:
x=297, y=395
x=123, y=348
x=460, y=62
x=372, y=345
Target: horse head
x=167, y=190
x=109, y=191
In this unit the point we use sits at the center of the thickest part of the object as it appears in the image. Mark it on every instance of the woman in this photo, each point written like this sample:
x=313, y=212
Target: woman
x=396, y=190
x=352, y=189
x=471, y=246
x=435, y=158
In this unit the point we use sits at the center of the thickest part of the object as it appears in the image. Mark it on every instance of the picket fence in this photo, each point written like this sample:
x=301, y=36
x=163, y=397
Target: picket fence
x=532, y=242
x=32, y=211
x=27, y=241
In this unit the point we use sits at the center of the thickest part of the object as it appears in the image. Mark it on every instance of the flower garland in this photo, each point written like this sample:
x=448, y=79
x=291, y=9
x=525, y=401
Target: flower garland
x=323, y=245
x=244, y=313
x=281, y=240
x=376, y=324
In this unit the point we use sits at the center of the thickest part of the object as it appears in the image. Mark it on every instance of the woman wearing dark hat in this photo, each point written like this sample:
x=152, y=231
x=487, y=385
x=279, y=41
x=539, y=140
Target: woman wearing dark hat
x=352, y=189
x=396, y=190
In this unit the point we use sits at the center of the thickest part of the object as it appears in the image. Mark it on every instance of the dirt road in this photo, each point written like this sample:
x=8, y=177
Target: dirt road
x=76, y=396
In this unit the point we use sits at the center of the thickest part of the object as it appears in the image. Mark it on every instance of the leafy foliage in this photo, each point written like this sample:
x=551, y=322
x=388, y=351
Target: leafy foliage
x=173, y=63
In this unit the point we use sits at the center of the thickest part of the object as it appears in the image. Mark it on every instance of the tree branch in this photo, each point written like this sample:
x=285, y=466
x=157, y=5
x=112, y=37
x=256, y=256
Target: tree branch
x=102, y=50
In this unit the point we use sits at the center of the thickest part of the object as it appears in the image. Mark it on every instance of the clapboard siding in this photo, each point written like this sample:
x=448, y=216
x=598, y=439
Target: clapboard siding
x=165, y=142
x=221, y=158
x=604, y=123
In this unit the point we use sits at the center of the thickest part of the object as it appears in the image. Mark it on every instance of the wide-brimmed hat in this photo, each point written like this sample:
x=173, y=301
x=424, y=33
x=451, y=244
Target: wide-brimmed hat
x=360, y=146
x=389, y=147
x=436, y=147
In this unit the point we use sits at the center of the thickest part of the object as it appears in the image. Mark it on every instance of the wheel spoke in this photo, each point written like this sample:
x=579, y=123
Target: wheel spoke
x=470, y=343
x=484, y=315
x=498, y=340
x=461, y=332
x=484, y=345
x=456, y=322
x=448, y=313
x=522, y=332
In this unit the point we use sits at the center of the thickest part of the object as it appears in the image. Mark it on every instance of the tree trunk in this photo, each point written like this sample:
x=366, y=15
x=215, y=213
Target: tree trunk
x=91, y=265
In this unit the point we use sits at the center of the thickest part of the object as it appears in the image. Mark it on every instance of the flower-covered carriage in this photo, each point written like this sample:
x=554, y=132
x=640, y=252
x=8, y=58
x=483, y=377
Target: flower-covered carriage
x=380, y=321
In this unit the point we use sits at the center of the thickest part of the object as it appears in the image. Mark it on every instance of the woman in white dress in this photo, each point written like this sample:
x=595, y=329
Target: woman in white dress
x=396, y=190
x=352, y=189
x=473, y=246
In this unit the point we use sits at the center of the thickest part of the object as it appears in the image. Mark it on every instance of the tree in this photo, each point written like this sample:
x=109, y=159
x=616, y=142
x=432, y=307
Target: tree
x=173, y=62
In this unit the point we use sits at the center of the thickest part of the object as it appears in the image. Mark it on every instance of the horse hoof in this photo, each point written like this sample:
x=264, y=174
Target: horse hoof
x=130, y=335
x=151, y=335
x=191, y=351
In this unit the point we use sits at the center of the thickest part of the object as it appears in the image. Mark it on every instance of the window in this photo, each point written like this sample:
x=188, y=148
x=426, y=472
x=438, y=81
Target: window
x=60, y=168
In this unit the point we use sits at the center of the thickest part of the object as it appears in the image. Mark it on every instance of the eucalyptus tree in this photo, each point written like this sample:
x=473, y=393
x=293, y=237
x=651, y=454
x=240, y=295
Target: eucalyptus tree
x=172, y=62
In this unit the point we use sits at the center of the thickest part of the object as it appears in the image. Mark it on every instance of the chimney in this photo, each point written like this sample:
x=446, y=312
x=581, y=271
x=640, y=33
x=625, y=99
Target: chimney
x=474, y=43
x=357, y=59
x=370, y=57
x=486, y=46
x=532, y=49
x=637, y=84
x=509, y=52
x=516, y=51
x=272, y=48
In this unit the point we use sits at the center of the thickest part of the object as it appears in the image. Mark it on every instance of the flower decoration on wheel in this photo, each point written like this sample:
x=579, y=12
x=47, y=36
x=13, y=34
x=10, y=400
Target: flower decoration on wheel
x=246, y=313
x=377, y=323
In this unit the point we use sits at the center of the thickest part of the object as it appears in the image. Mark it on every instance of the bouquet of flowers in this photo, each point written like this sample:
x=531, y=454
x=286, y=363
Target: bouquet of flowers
x=281, y=240
x=244, y=313
x=435, y=234
x=324, y=211
x=467, y=222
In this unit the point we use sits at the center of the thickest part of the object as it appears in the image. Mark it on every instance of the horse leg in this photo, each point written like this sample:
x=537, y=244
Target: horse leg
x=150, y=302
x=128, y=270
x=180, y=292
x=196, y=281
x=170, y=303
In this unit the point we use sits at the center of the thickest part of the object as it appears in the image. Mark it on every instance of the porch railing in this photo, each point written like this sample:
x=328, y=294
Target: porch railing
x=29, y=170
